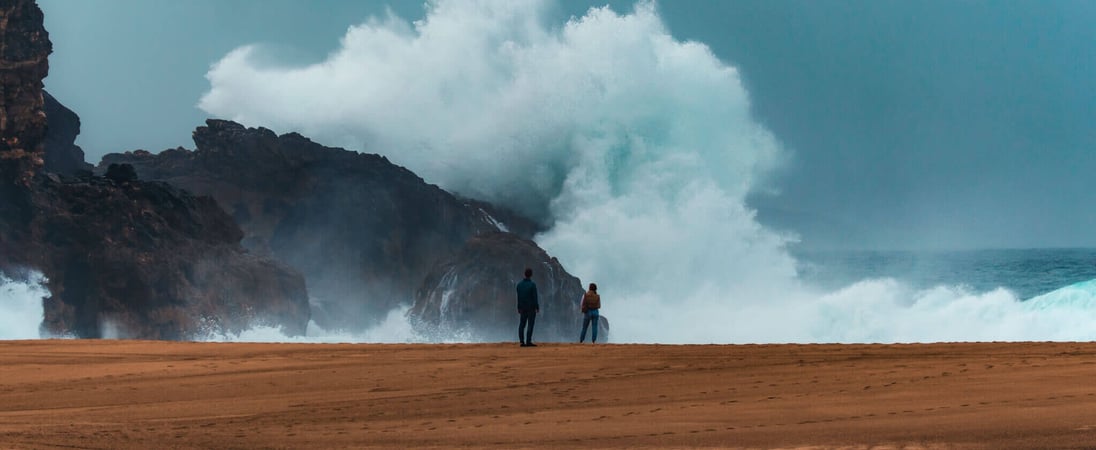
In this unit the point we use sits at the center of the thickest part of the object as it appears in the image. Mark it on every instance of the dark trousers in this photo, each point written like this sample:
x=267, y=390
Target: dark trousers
x=530, y=317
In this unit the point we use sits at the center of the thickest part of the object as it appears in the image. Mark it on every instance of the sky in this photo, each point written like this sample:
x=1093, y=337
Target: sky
x=906, y=125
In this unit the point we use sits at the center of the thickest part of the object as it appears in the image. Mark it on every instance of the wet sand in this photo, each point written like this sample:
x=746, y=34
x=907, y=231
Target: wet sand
x=138, y=394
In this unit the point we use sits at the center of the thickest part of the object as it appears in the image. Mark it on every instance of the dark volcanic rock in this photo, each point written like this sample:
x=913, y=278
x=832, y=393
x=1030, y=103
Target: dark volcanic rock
x=122, y=257
x=121, y=173
x=24, y=53
x=364, y=231
x=464, y=295
x=151, y=261
x=62, y=155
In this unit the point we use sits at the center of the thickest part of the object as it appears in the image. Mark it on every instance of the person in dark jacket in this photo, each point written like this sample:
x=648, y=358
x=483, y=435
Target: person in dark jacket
x=591, y=303
x=528, y=307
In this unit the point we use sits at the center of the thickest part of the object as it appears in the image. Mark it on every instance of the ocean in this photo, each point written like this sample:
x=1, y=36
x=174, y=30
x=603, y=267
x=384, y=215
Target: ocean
x=1026, y=272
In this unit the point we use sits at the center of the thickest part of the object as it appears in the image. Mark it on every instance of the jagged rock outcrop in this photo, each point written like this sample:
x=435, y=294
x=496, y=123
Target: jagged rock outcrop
x=24, y=62
x=364, y=231
x=464, y=294
x=123, y=257
x=24, y=52
x=61, y=154
x=145, y=259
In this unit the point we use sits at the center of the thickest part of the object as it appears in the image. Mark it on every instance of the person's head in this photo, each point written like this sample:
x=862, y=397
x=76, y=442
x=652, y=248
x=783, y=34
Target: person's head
x=593, y=287
x=528, y=272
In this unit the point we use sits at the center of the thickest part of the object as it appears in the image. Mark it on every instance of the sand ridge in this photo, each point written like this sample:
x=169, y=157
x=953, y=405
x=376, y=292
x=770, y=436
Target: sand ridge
x=150, y=394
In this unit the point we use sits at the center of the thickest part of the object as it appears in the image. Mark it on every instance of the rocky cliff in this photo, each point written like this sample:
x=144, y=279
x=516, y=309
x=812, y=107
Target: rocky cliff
x=24, y=53
x=366, y=233
x=144, y=259
x=60, y=152
x=123, y=257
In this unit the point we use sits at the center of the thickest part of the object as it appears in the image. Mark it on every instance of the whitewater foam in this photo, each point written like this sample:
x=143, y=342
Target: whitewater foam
x=21, y=310
x=887, y=311
x=396, y=328
x=881, y=310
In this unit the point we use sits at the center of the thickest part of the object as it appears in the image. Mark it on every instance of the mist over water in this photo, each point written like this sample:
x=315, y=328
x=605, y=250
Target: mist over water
x=638, y=149
x=395, y=328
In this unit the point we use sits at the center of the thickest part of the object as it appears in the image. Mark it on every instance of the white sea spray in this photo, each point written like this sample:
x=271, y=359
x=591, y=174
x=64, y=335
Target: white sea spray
x=21, y=309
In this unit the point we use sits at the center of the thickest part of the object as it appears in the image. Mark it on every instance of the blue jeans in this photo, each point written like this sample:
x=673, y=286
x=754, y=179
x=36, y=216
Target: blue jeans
x=590, y=316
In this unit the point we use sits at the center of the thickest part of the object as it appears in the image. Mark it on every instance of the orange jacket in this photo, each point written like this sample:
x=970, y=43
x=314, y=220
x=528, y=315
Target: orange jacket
x=591, y=301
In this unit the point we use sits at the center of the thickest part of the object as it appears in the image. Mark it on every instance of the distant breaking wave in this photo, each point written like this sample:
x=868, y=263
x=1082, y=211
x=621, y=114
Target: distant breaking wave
x=885, y=311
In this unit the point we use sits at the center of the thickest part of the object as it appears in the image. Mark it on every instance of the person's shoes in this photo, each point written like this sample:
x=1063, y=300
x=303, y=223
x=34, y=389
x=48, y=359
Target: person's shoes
x=530, y=345
x=524, y=344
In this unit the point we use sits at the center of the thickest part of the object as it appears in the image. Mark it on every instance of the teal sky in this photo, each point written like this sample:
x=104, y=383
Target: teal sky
x=916, y=124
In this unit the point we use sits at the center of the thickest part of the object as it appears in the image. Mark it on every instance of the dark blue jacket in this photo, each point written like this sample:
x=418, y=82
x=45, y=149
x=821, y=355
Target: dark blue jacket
x=527, y=295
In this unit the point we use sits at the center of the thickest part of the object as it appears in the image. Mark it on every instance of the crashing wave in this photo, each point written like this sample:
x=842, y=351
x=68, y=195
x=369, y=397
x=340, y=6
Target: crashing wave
x=21, y=306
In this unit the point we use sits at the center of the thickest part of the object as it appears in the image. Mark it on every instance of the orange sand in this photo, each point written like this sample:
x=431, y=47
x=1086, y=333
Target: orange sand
x=137, y=394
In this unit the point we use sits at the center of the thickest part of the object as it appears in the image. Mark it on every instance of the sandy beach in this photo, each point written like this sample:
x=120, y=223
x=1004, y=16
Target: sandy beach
x=142, y=394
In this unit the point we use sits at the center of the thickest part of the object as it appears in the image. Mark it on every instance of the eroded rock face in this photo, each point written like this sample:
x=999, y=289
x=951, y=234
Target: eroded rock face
x=147, y=260
x=24, y=53
x=61, y=154
x=123, y=257
x=364, y=231
x=472, y=293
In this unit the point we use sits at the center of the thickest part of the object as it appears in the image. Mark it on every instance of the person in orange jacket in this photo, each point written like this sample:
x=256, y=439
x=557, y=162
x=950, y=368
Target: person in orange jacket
x=591, y=303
